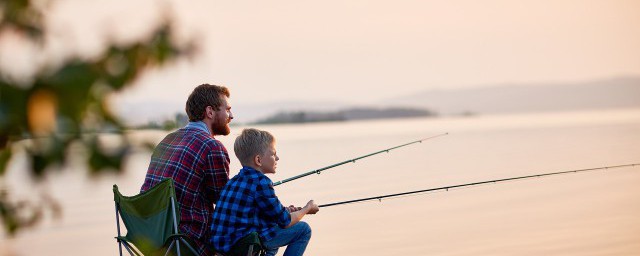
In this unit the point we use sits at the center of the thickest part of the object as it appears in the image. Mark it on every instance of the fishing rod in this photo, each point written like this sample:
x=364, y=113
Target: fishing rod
x=379, y=198
x=318, y=171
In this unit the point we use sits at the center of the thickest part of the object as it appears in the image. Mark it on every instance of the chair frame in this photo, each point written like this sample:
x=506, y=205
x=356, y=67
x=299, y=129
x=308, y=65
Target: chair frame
x=175, y=239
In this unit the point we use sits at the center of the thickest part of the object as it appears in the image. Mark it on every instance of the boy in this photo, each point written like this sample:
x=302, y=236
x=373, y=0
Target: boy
x=248, y=202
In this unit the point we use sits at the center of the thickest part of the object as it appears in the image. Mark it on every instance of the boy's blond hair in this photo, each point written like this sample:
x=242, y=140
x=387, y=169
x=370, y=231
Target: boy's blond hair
x=250, y=143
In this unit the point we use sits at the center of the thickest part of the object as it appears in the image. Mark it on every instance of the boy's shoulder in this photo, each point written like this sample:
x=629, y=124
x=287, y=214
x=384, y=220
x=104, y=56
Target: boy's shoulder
x=251, y=177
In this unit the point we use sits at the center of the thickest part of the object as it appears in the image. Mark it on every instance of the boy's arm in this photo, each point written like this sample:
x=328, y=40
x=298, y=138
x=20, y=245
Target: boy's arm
x=269, y=207
x=310, y=208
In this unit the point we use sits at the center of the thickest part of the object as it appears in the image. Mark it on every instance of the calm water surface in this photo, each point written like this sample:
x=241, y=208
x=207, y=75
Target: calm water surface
x=594, y=213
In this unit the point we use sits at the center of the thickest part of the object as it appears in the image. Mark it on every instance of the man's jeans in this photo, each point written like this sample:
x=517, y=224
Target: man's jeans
x=295, y=238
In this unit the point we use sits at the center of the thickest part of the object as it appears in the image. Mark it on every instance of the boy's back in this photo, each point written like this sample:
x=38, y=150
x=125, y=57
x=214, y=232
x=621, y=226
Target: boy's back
x=247, y=203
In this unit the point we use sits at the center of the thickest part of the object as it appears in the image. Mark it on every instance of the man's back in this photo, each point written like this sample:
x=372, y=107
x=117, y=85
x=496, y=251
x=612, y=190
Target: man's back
x=199, y=165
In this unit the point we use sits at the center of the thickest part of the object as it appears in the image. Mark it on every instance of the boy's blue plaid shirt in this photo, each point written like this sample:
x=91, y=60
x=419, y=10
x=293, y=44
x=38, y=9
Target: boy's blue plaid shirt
x=247, y=203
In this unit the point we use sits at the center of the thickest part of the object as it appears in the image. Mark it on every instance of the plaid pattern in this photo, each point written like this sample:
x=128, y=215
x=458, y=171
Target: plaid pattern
x=248, y=203
x=199, y=165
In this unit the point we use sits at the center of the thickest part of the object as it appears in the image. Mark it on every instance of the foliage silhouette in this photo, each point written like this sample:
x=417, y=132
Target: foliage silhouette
x=65, y=104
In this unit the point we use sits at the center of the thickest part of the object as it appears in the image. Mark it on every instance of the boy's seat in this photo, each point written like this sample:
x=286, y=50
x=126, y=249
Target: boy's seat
x=152, y=220
x=249, y=245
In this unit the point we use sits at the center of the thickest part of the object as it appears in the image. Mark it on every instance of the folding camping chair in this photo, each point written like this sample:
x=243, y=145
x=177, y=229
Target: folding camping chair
x=152, y=220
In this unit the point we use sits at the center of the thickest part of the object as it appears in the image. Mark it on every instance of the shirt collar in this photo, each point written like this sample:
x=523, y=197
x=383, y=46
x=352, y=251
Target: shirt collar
x=200, y=125
x=249, y=170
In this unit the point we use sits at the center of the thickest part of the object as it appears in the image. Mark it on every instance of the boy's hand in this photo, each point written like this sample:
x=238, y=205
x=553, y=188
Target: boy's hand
x=312, y=207
x=293, y=208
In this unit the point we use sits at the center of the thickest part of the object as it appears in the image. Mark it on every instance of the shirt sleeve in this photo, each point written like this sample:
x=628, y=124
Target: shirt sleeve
x=217, y=175
x=269, y=204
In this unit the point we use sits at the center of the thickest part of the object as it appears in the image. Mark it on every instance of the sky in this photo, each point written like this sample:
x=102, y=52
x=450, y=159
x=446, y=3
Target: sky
x=359, y=51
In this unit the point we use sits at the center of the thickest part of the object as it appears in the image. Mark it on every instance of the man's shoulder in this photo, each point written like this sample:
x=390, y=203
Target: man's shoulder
x=197, y=137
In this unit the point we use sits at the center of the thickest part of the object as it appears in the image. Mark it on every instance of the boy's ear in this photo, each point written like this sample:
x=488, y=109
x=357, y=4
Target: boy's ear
x=257, y=160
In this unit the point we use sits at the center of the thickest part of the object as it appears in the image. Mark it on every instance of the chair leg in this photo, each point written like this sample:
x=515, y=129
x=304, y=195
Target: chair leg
x=250, y=253
x=170, y=247
x=189, y=246
x=118, y=226
x=131, y=251
x=178, y=246
x=120, y=247
x=175, y=223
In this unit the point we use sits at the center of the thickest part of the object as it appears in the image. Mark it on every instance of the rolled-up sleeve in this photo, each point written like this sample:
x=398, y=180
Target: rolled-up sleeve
x=269, y=205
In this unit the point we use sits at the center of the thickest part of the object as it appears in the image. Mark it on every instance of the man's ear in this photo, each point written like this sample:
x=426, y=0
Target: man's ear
x=257, y=160
x=209, y=112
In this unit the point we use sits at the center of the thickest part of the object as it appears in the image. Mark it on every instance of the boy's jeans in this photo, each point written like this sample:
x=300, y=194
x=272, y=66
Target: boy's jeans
x=295, y=238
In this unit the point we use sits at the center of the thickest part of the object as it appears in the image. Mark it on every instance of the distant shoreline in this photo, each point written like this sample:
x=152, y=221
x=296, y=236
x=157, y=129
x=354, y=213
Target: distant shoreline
x=362, y=113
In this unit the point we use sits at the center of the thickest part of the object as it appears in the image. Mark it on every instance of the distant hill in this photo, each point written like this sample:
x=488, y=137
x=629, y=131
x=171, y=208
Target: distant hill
x=343, y=115
x=621, y=92
x=254, y=112
x=511, y=98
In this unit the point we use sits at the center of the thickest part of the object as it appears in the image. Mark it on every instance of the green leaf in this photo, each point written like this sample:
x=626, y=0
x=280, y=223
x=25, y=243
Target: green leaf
x=5, y=155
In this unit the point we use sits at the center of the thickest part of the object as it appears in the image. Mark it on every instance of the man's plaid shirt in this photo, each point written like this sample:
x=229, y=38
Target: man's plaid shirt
x=247, y=203
x=199, y=165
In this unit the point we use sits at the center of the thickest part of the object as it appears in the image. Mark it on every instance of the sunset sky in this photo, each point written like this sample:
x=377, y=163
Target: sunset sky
x=362, y=51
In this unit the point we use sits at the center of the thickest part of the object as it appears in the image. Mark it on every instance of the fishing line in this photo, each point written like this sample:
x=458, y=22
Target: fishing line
x=318, y=171
x=447, y=188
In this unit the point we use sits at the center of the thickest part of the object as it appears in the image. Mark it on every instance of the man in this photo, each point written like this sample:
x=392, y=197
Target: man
x=197, y=162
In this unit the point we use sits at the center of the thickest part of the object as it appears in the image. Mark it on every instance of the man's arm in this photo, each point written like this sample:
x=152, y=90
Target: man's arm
x=216, y=171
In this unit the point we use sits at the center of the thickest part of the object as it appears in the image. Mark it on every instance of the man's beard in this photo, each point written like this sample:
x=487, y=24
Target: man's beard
x=221, y=127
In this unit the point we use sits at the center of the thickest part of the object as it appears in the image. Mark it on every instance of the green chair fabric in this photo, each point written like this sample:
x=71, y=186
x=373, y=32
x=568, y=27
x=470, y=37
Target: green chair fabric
x=151, y=219
x=249, y=245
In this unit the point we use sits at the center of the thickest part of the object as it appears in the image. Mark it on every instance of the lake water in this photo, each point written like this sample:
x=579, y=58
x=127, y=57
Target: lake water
x=592, y=213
